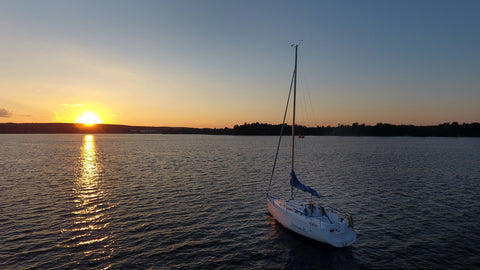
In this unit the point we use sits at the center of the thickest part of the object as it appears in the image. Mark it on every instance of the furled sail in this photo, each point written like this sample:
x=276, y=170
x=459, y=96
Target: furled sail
x=294, y=182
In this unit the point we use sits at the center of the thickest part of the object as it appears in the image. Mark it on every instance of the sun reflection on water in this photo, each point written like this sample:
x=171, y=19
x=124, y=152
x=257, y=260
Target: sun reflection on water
x=90, y=240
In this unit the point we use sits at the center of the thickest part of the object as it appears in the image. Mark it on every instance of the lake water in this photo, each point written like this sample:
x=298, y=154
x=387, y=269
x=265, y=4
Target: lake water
x=191, y=201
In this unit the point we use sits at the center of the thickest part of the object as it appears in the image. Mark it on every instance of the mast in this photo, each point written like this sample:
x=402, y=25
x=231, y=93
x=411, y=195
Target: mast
x=294, y=105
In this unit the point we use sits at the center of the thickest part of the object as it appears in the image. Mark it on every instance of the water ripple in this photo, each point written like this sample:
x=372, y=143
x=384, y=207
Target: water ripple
x=183, y=202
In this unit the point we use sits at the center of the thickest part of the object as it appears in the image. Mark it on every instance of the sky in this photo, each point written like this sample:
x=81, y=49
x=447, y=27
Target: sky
x=219, y=63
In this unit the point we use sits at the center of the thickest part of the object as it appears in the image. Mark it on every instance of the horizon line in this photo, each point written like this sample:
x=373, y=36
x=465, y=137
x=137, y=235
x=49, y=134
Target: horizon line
x=248, y=123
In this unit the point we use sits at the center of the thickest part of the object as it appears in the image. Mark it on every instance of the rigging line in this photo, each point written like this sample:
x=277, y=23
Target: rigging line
x=305, y=116
x=310, y=109
x=308, y=115
x=281, y=132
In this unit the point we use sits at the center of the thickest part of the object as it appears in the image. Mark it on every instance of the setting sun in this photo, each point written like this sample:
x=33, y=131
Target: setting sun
x=89, y=118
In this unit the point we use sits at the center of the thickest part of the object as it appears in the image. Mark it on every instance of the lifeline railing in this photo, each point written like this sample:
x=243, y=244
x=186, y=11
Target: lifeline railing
x=346, y=215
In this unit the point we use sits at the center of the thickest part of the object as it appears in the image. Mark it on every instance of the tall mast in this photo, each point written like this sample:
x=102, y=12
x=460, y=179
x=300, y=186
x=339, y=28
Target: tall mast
x=294, y=105
x=293, y=120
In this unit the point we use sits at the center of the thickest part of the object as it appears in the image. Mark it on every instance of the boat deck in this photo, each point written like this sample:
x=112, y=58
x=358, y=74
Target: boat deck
x=309, y=210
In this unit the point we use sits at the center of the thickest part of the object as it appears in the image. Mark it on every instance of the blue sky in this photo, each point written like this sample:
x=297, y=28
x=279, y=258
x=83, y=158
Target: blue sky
x=220, y=63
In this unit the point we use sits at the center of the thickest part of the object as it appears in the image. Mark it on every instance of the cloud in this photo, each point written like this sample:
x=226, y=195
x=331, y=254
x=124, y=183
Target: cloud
x=5, y=113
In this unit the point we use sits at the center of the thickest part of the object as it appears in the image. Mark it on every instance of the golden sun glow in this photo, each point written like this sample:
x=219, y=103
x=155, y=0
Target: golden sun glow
x=89, y=118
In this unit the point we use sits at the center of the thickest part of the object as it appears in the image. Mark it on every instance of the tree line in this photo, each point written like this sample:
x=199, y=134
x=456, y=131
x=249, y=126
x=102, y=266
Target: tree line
x=453, y=129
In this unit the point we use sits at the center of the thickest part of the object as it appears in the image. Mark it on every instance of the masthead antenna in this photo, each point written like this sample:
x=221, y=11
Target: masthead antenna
x=297, y=43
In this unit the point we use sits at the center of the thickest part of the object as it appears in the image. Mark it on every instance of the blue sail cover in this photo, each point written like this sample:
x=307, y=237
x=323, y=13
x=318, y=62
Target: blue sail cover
x=295, y=183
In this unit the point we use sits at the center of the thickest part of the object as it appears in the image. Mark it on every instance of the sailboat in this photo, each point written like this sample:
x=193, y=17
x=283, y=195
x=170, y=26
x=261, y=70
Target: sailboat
x=312, y=220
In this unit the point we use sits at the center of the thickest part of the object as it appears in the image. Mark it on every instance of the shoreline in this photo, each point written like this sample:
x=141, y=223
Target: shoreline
x=255, y=129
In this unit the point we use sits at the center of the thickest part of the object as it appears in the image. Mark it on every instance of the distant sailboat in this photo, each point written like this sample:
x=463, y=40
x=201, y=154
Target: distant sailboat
x=312, y=220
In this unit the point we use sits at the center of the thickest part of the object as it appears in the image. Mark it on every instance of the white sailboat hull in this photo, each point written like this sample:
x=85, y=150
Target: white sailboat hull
x=312, y=221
